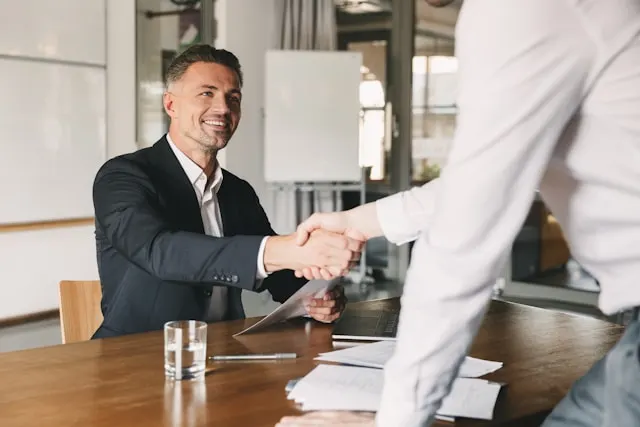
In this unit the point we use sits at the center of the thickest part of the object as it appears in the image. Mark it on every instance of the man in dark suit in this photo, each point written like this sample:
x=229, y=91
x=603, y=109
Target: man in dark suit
x=178, y=237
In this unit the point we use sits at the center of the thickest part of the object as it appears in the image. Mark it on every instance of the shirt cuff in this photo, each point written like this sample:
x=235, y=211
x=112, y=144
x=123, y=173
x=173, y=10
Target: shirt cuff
x=389, y=210
x=261, y=273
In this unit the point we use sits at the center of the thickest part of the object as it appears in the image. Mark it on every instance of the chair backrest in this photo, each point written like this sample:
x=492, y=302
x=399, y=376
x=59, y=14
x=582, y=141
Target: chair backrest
x=80, y=313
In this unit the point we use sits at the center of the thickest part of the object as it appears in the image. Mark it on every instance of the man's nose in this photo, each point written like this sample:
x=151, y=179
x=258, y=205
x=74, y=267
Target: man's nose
x=220, y=105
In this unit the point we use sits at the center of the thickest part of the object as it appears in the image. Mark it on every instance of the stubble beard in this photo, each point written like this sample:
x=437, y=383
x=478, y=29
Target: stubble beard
x=211, y=144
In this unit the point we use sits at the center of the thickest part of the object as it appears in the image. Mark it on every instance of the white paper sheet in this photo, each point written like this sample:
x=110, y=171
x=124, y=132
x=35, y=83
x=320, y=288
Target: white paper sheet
x=349, y=388
x=294, y=306
x=471, y=398
x=376, y=355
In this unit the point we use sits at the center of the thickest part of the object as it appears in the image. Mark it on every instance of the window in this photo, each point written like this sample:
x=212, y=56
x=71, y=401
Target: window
x=372, y=152
x=434, y=109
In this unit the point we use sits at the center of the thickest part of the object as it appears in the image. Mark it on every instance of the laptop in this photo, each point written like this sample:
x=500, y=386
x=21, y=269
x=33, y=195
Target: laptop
x=367, y=325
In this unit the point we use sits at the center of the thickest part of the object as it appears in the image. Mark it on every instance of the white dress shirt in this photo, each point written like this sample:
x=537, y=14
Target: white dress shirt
x=206, y=191
x=549, y=99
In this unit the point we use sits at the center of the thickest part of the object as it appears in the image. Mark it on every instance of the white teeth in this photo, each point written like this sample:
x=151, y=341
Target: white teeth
x=215, y=122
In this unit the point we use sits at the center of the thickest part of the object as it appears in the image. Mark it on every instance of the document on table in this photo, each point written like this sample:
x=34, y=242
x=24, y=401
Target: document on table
x=294, y=306
x=350, y=388
x=376, y=355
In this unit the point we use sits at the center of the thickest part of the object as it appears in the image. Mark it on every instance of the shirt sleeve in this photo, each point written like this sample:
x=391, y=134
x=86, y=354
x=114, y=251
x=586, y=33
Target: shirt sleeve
x=404, y=215
x=261, y=273
x=522, y=71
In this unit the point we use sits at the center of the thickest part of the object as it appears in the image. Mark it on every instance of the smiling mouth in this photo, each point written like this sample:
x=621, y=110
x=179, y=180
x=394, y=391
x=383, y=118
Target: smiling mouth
x=217, y=125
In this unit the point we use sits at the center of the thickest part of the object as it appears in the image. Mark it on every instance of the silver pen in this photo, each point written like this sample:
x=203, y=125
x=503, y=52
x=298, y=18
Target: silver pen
x=272, y=356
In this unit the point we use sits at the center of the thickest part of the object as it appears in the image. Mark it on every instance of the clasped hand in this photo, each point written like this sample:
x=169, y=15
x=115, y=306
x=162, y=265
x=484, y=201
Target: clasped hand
x=336, y=224
x=327, y=254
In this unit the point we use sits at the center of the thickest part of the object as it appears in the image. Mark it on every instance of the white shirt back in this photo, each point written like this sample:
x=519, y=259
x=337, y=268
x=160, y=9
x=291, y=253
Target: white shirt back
x=549, y=98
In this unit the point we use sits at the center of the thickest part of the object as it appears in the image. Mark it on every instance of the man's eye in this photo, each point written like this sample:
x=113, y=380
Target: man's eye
x=207, y=93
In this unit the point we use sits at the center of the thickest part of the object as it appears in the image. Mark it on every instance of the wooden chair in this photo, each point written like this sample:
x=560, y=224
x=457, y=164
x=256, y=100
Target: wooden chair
x=80, y=313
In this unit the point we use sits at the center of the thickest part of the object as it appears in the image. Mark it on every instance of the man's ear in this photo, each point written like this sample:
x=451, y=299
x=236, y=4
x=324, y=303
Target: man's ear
x=168, y=101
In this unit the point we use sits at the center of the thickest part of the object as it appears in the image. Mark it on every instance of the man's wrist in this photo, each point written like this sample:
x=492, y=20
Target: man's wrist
x=277, y=253
x=364, y=219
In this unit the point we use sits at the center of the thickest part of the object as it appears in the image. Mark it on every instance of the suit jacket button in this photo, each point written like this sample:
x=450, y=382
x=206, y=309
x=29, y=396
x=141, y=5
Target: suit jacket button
x=234, y=278
x=215, y=277
x=208, y=292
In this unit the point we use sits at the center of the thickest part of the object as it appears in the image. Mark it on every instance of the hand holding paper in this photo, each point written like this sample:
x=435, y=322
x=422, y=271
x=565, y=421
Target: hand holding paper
x=295, y=305
x=327, y=306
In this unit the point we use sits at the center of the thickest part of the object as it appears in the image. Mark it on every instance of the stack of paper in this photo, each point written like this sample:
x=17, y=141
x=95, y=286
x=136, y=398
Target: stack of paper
x=350, y=388
x=377, y=354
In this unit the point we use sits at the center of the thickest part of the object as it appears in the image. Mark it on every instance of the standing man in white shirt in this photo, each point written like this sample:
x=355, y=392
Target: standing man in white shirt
x=549, y=99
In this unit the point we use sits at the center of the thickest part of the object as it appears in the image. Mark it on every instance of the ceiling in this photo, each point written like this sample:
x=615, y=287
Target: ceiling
x=371, y=15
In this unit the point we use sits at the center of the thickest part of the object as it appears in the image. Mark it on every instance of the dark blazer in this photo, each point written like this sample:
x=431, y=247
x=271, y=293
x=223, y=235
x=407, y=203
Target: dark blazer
x=154, y=260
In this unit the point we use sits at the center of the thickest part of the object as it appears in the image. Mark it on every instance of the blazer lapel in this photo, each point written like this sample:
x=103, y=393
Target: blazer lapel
x=181, y=195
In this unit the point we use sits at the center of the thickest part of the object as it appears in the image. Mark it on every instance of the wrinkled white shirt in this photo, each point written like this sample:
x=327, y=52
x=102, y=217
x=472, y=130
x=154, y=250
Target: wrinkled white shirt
x=549, y=99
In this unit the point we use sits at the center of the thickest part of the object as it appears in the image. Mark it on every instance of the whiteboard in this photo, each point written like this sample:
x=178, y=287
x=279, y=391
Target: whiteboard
x=52, y=141
x=312, y=113
x=64, y=30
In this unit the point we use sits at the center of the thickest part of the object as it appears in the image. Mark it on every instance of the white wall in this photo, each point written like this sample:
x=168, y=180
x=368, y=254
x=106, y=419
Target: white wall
x=33, y=262
x=121, y=77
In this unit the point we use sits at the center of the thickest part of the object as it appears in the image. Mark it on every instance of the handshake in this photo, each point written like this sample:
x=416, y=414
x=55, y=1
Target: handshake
x=325, y=246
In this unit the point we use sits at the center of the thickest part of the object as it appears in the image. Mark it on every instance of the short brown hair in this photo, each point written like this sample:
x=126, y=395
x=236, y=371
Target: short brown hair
x=201, y=53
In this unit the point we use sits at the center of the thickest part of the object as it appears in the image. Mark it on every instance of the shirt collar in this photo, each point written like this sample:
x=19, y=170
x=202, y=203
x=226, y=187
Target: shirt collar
x=196, y=175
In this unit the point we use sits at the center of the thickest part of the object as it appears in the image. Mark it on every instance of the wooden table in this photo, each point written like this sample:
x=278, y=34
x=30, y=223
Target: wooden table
x=120, y=381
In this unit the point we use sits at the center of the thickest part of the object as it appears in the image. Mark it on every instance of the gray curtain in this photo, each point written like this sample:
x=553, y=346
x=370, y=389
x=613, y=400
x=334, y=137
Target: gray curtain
x=307, y=25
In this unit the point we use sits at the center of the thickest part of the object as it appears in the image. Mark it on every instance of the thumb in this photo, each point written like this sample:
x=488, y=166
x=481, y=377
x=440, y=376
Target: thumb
x=305, y=229
x=302, y=236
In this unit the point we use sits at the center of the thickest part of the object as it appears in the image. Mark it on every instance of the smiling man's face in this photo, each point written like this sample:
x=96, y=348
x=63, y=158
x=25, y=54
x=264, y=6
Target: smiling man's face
x=205, y=104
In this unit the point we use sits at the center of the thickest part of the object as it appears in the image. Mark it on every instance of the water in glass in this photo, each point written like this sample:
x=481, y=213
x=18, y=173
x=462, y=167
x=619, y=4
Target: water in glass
x=186, y=348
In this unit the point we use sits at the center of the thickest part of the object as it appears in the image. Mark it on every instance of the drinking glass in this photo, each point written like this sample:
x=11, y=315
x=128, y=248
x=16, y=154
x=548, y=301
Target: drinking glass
x=185, y=349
